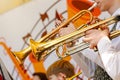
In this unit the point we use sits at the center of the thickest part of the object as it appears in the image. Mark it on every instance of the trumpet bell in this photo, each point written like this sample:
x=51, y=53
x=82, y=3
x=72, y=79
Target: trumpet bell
x=21, y=55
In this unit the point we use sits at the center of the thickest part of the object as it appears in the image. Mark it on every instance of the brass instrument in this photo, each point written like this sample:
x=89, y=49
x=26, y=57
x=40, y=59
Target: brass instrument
x=21, y=55
x=83, y=45
x=41, y=50
x=71, y=78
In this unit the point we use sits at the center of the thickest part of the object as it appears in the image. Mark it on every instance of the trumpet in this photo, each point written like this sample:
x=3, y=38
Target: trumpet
x=41, y=50
x=81, y=46
x=72, y=77
x=21, y=55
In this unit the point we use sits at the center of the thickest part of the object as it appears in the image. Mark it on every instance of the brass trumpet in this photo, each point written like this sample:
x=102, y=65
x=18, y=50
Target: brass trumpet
x=21, y=55
x=41, y=50
x=71, y=78
x=82, y=46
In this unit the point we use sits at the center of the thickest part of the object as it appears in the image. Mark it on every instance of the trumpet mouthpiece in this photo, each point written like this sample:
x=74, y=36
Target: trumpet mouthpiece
x=93, y=6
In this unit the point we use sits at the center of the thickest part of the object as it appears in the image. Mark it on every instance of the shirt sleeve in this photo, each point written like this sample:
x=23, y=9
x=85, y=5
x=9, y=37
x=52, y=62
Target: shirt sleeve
x=86, y=59
x=110, y=57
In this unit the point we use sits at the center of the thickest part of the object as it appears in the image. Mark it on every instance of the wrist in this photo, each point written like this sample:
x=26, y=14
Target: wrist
x=102, y=44
x=102, y=36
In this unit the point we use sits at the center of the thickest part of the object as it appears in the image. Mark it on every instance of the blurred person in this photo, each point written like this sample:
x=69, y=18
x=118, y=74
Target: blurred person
x=39, y=76
x=108, y=55
x=4, y=74
x=109, y=50
x=60, y=70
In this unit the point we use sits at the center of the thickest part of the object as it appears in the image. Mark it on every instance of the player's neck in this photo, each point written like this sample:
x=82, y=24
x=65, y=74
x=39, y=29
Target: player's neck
x=115, y=6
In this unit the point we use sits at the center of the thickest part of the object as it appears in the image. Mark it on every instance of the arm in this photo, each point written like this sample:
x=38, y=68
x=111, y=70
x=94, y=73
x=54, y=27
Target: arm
x=109, y=51
x=110, y=57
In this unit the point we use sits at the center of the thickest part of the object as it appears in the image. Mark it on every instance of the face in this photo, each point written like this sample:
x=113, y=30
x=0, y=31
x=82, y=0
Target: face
x=104, y=5
x=36, y=78
x=54, y=77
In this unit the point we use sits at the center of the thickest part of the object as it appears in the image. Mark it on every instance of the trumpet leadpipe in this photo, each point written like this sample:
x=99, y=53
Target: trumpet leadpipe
x=82, y=46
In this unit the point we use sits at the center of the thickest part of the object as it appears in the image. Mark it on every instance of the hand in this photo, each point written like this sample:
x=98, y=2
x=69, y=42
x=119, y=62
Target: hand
x=94, y=35
x=95, y=19
x=66, y=30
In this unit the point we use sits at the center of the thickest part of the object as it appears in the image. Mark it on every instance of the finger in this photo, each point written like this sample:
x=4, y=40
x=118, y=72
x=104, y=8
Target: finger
x=89, y=31
x=106, y=29
x=93, y=22
x=102, y=27
x=88, y=22
x=86, y=39
x=62, y=31
x=71, y=25
x=92, y=46
x=87, y=36
x=57, y=22
x=95, y=19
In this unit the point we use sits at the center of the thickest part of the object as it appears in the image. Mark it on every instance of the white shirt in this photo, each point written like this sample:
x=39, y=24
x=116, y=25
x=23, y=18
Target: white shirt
x=108, y=56
x=109, y=51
